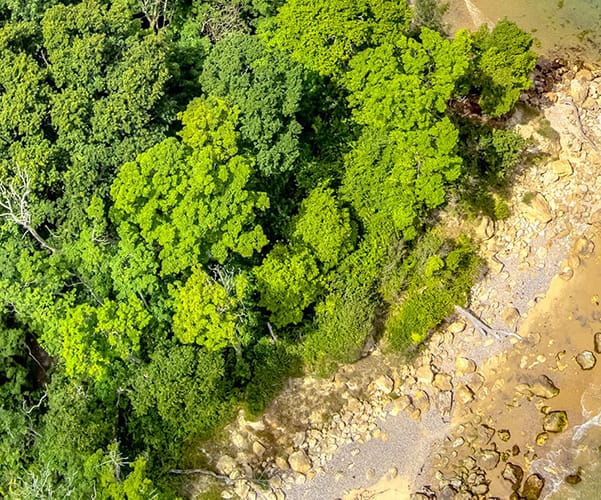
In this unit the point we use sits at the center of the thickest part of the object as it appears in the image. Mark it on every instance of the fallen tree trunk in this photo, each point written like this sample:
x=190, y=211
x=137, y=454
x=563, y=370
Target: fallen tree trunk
x=482, y=327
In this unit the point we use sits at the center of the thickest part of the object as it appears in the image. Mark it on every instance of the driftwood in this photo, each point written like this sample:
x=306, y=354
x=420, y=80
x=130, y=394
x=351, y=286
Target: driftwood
x=581, y=127
x=482, y=327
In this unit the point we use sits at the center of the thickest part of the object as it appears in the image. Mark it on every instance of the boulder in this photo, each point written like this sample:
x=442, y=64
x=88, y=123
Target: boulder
x=578, y=91
x=555, y=421
x=514, y=474
x=536, y=208
x=586, y=360
x=561, y=168
x=442, y=382
x=543, y=387
x=598, y=342
x=533, y=487
x=226, y=465
x=489, y=459
x=299, y=462
x=465, y=365
x=464, y=394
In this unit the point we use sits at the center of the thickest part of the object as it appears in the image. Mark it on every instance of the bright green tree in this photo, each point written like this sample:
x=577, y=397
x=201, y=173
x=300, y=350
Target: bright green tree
x=189, y=197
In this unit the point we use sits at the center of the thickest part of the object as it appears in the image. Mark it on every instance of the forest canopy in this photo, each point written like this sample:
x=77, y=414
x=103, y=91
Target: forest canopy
x=201, y=198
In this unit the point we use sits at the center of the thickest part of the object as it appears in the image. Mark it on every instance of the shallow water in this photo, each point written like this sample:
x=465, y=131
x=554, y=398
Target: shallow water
x=559, y=26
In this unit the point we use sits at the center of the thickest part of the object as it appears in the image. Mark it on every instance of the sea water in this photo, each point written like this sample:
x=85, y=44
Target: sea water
x=558, y=26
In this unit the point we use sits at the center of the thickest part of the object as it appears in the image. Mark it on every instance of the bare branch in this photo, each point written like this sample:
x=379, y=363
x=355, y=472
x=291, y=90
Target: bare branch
x=14, y=201
x=483, y=327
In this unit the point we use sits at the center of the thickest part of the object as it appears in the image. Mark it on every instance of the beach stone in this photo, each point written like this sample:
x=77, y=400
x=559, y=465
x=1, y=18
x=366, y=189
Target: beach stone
x=489, y=459
x=226, y=465
x=424, y=374
x=542, y=438
x=598, y=342
x=578, y=91
x=299, y=462
x=504, y=435
x=486, y=228
x=584, y=75
x=457, y=326
x=533, y=487
x=480, y=489
x=510, y=317
x=485, y=434
x=442, y=381
x=464, y=394
x=561, y=168
x=543, y=387
x=384, y=384
x=514, y=474
x=466, y=365
x=421, y=401
x=586, y=360
x=474, y=380
x=584, y=246
x=555, y=421
x=538, y=209
x=400, y=404
x=573, y=479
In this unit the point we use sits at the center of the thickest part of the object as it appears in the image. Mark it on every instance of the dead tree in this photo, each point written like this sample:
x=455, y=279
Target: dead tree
x=14, y=202
x=156, y=13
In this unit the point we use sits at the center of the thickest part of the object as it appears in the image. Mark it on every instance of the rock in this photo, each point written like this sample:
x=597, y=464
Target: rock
x=555, y=421
x=486, y=228
x=485, y=434
x=495, y=265
x=424, y=374
x=258, y=449
x=533, y=487
x=536, y=208
x=561, y=168
x=238, y=440
x=465, y=366
x=543, y=387
x=542, y=438
x=584, y=246
x=384, y=384
x=421, y=401
x=598, y=342
x=489, y=459
x=442, y=381
x=299, y=462
x=573, y=479
x=586, y=360
x=578, y=91
x=281, y=463
x=567, y=273
x=584, y=75
x=457, y=326
x=400, y=404
x=504, y=435
x=370, y=474
x=464, y=394
x=510, y=317
x=226, y=465
x=514, y=474
x=475, y=381
x=392, y=473
x=480, y=489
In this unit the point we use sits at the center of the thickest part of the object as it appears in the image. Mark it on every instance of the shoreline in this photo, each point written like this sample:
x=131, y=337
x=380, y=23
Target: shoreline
x=379, y=417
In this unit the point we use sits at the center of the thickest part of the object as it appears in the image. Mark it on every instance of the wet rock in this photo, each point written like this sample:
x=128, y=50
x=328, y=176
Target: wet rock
x=299, y=462
x=281, y=463
x=475, y=381
x=485, y=434
x=533, y=487
x=489, y=459
x=542, y=438
x=226, y=465
x=465, y=365
x=504, y=435
x=510, y=317
x=442, y=381
x=514, y=474
x=536, y=208
x=555, y=421
x=543, y=387
x=464, y=394
x=561, y=168
x=574, y=478
x=586, y=360
x=598, y=342
x=584, y=246
x=447, y=493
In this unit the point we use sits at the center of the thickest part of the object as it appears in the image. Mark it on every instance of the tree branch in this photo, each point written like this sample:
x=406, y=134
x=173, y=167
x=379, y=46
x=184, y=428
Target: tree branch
x=482, y=327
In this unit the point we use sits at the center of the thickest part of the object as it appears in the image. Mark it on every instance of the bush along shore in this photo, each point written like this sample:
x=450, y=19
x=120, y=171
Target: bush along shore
x=439, y=401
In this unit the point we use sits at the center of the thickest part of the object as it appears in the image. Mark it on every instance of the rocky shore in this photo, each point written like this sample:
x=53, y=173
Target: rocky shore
x=381, y=419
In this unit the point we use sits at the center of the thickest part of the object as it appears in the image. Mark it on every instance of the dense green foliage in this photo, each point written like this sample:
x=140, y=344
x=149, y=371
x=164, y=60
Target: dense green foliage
x=200, y=199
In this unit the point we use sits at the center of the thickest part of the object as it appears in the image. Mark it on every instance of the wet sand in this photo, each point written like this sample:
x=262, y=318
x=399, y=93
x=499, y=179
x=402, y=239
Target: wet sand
x=562, y=325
